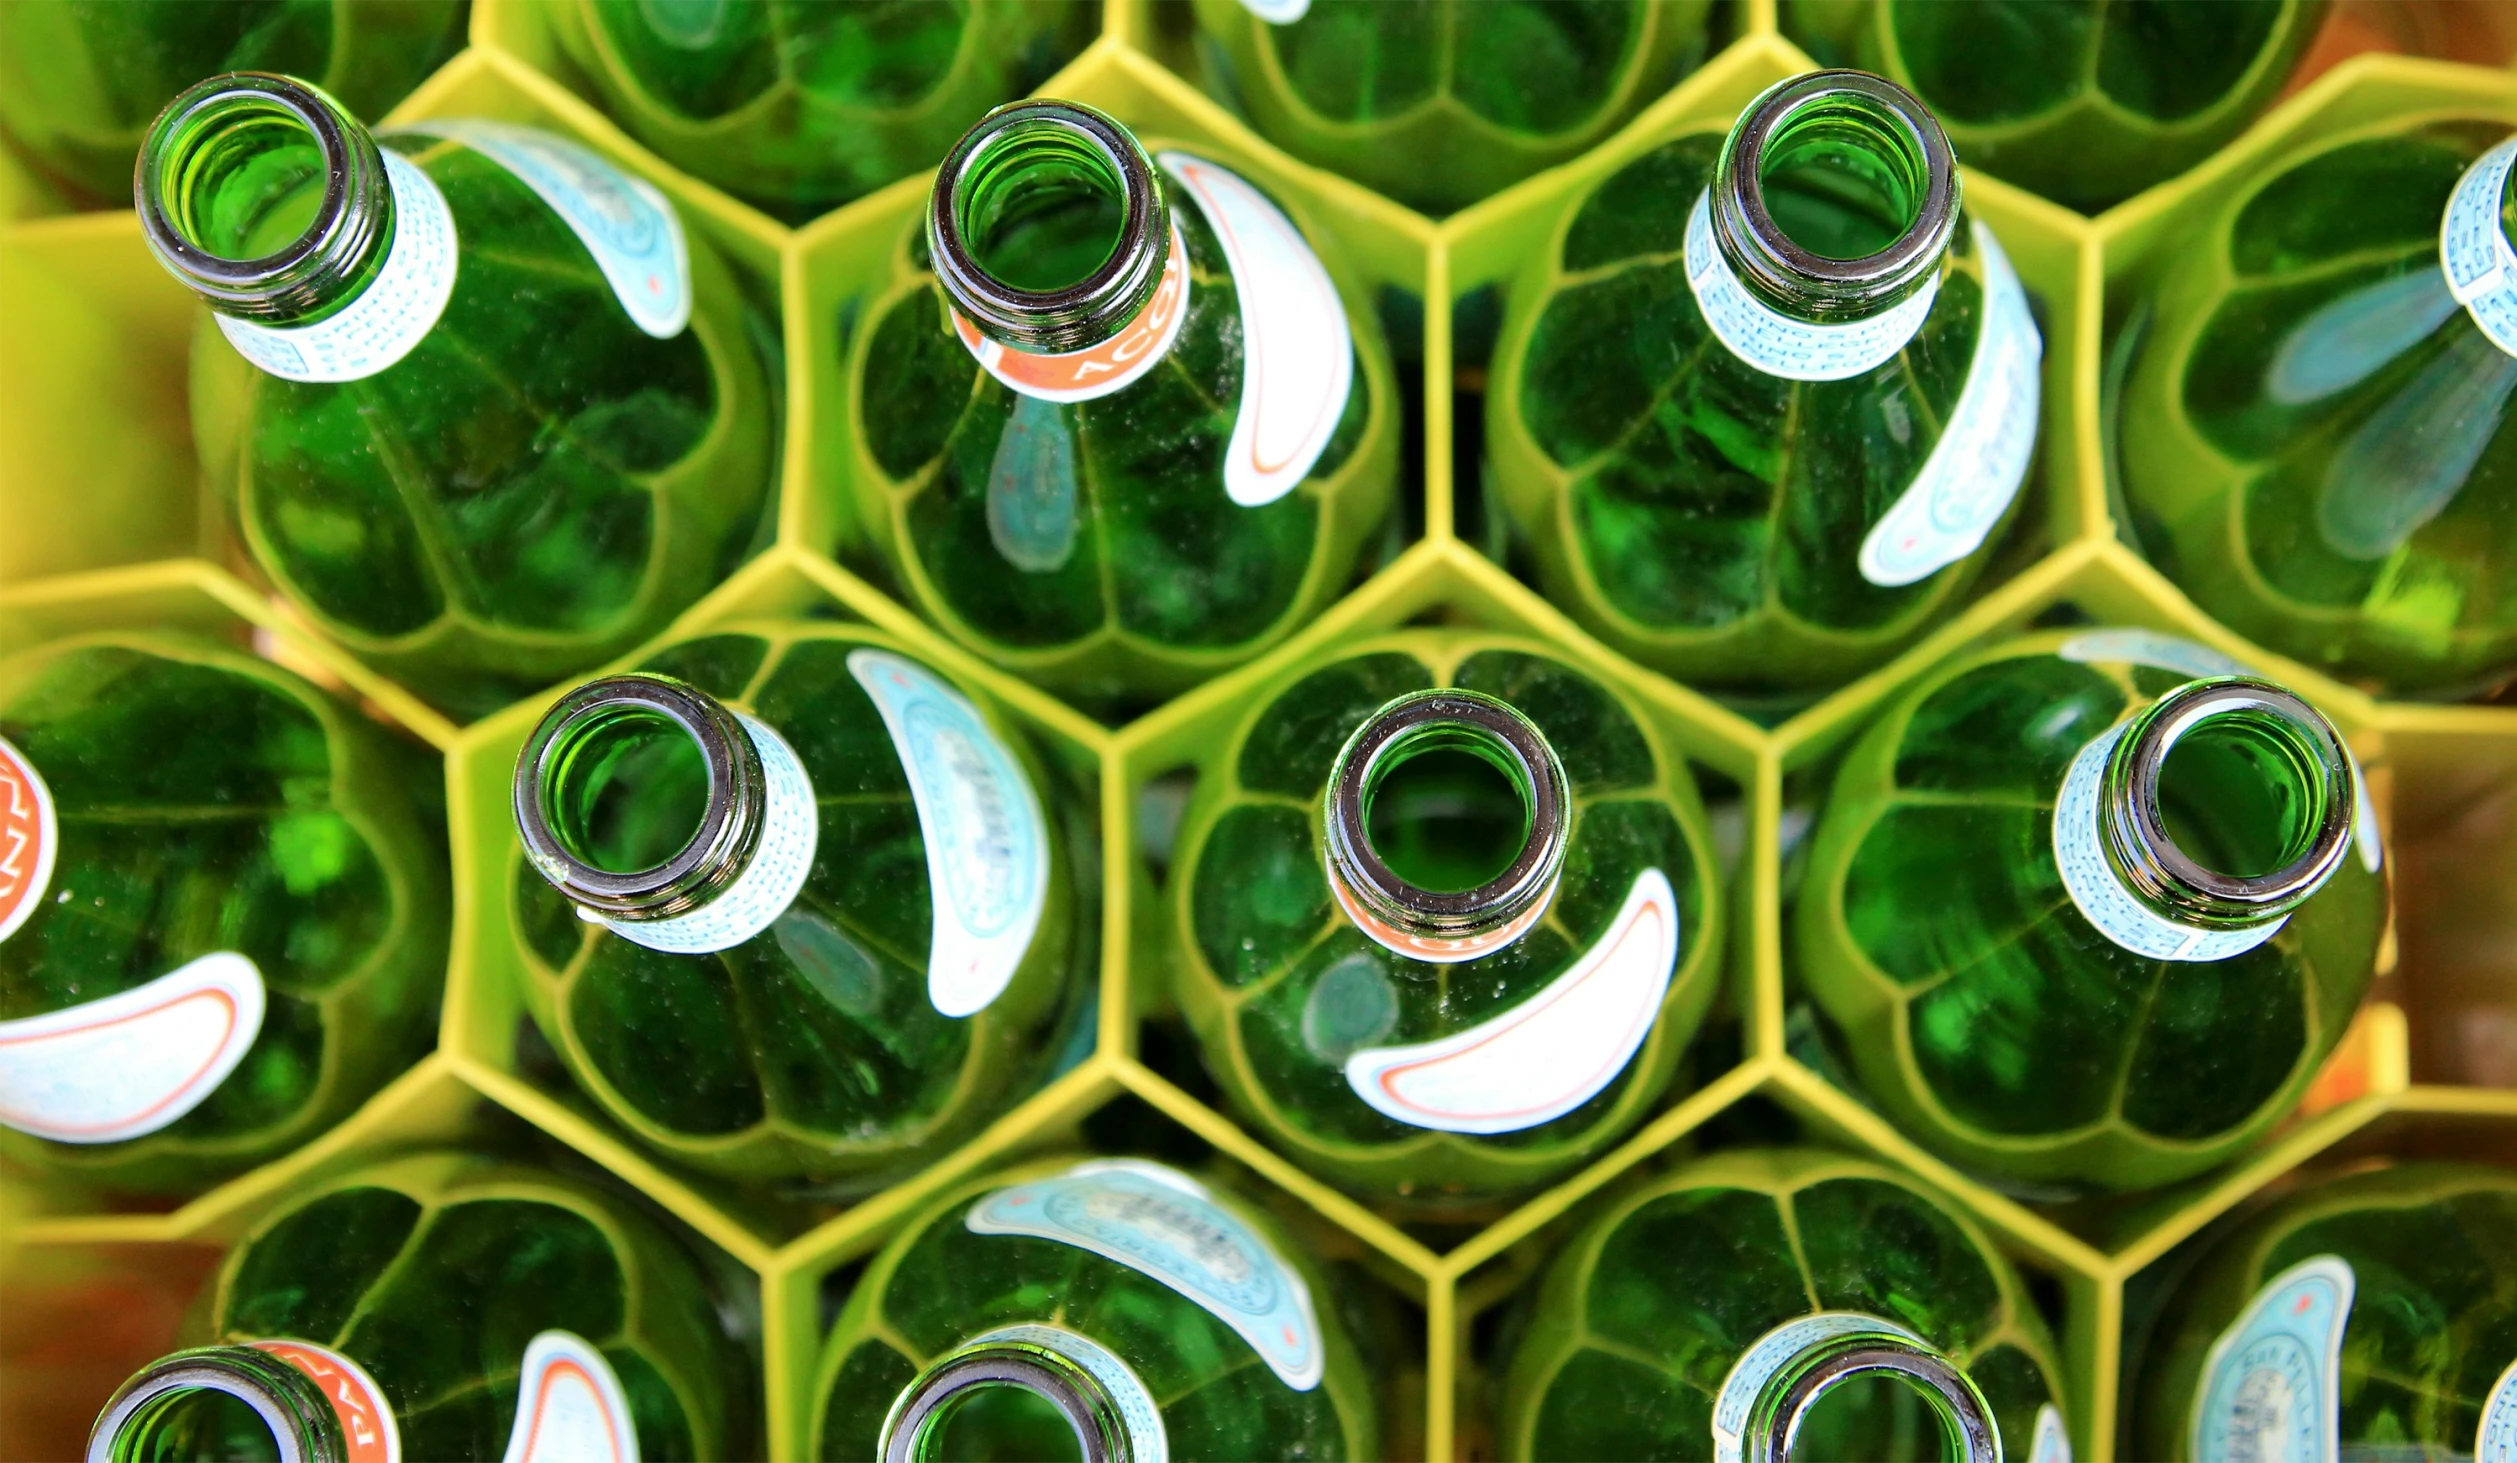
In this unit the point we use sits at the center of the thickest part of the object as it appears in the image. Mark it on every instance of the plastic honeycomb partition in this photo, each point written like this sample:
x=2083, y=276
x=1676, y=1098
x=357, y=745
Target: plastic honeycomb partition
x=103, y=521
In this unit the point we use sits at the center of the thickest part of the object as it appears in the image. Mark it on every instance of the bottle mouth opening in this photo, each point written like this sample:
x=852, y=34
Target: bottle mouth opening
x=1047, y=226
x=636, y=796
x=1448, y=757
x=204, y=1403
x=1005, y=1393
x=1836, y=194
x=1833, y=1402
x=248, y=184
x=2240, y=801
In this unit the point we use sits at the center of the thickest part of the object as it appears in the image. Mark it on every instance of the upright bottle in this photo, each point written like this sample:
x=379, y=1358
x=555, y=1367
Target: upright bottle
x=1762, y=403
x=2314, y=435
x=2084, y=103
x=2369, y=1316
x=1444, y=915
x=1106, y=1309
x=1766, y=1304
x=481, y=408
x=222, y=922
x=2156, y=894
x=1438, y=105
x=1117, y=423
x=444, y=1306
x=790, y=902
x=80, y=81
x=798, y=108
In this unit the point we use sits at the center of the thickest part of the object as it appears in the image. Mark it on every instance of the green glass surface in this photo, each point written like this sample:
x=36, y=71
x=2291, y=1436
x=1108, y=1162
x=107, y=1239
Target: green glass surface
x=938, y=1285
x=433, y=1272
x=81, y=79
x=208, y=800
x=2005, y=1031
x=1696, y=513
x=2315, y=441
x=1438, y=103
x=1644, y=1312
x=511, y=501
x=1282, y=988
x=798, y=106
x=1090, y=546
x=812, y=1048
x=2433, y=1321
x=2084, y=101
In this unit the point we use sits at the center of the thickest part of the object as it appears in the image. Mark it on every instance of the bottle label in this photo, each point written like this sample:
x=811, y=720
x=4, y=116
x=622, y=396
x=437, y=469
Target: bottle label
x=2052, y=1443
x=129, y=1064
x=2130, y=645
x=30, y=838
x=1777, y=344
x=790, y=831
x=366, y=1422
x=1113, y=365
x=569, y=1406
x=1975, y=469
x=1163, y=1224
x=626, y=223
x=2271, y=1385
x=2495, y=1441
x=1769, y=1354
x=1549, y=1054
x=1297, y=351
x=1436, y=949
x=2474, y=251
x=2101, y=894
x=1148, y=1440
x=396, y=310
x=987, y=841
x=1278, y=12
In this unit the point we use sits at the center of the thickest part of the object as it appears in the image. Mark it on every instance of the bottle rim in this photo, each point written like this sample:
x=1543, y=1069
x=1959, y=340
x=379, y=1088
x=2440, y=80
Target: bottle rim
x=1793, y=1394
x=1095, y=307
x=1100, y=1427
x=1798, y=279
x=352, y=226
x=1476, y=921
x=2146, y=855
x=729, y=828
x=301, y=1419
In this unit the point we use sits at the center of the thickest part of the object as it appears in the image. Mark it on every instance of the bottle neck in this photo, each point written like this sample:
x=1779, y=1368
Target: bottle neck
x=1048, y=227
x=640, y=797
x=266, y=197
x=218, y=1402
x=1791, y=1405
x=1025, y=1392
x=1835, y=197
x=1416, y=801
x=2226, y=803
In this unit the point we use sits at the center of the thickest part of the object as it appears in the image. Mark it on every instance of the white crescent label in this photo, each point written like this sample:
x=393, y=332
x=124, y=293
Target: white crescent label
x=1297, y=352
x=30, y=838
x=2052, y=1444
x=129, y=1064
x=987, y=841
x=1774, y=342
x=1549, y=1054
x=569, y=1406
x=1982, y=457
x=394, y=313
x=367, y=1424
x=2495, y=1440
x=790, y=832
x=2474, y=251
x=1278, y=12
x=2271, y=1387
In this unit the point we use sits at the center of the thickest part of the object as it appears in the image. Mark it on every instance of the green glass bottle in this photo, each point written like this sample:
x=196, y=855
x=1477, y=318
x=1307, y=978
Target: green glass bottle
x=222, y=921
x=2372, y=1316
x=1443, y=913
x=1765, y=1304
x=2084, y=102
x=2156, y=894
x=482, y=477
x=444, y=1306
x=1440, y=102
x=1112, y=443
x=790, y=902
x=2314, y=436
x=79, y=80
x=1763, y=403
x=1099, y=1310
x=799, y=107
